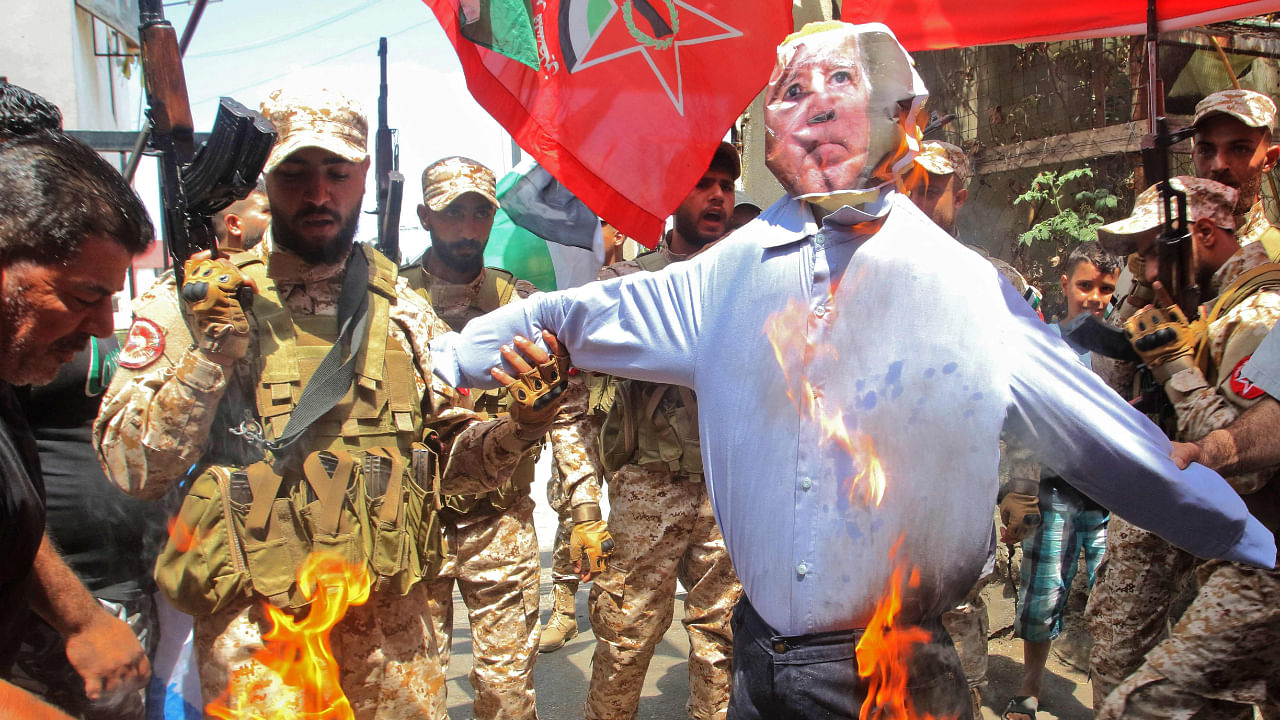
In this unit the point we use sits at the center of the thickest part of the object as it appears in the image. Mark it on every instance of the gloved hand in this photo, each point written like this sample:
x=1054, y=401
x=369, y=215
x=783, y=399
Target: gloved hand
x=590, y=543
x=215, y=293
x=538, y=389
x=1141, y=293
x=1020, y=514
x=1164, y=339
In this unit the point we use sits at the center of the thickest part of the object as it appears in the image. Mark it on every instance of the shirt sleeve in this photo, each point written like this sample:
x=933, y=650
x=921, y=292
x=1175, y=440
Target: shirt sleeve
x=153, y=424
x=573, y=447
x=1202, y=408
x=1263, y=368
x=642, y=326
x=1115, y=455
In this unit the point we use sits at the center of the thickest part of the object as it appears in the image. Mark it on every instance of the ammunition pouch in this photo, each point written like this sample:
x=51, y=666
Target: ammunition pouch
x=247, y=531
x=652, y=425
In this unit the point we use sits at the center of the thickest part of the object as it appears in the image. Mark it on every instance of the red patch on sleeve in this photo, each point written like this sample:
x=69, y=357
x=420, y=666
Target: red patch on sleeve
x=1243, y=386
x=143, y=346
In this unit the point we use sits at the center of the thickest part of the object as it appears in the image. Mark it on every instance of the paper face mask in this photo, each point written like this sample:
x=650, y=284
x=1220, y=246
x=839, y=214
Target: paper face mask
x=836, y=110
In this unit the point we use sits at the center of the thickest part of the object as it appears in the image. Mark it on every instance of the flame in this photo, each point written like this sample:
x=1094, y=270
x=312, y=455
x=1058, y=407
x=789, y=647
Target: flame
x=297, y=653
x=786, y=332
x=884, y=650
x=183, y=538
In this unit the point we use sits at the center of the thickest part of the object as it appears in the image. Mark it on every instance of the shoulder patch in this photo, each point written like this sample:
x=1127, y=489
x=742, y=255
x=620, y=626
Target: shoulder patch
x=143, y=346
x=1243, y=386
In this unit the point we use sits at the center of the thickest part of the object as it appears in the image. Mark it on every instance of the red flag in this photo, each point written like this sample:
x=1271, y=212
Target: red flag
x=935, y=24
x=623, y=101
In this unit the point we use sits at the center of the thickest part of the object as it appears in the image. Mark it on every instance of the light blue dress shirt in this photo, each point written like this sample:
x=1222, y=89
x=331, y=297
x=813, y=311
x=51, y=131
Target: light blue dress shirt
x=1263, y=368
x=923, y=347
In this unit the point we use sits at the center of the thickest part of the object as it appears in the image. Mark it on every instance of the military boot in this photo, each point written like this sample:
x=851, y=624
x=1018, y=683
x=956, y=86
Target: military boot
x=563, y=624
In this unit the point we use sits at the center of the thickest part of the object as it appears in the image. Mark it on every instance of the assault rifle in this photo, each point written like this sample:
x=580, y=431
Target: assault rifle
x=386, y=166
x=194, y=183
x=1177, y=269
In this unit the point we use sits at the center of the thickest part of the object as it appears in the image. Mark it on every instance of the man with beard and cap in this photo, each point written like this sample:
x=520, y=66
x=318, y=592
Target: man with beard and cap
x=275, y=465
x=69, y=228
x=492, y=549
x=1233, y=145
x=849, y=428
x=659, y=514
x=1224, y=653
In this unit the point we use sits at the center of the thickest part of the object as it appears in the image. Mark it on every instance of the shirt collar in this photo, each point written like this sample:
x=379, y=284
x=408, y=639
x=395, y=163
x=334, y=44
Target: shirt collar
x=792, y=219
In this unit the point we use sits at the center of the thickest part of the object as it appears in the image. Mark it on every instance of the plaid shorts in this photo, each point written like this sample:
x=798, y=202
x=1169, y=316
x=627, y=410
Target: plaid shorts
x=1050, y=557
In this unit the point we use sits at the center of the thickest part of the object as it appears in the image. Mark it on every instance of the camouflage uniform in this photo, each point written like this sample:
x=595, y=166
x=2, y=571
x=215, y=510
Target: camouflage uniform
x=157, y=422
x=664, y=529
x=575, y=481
x=1224, y=653
x=492, y=547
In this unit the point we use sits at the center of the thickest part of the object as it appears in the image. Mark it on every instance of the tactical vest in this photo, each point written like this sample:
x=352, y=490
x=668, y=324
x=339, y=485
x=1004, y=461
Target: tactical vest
x=364, y=487
x=498, y=289
x=648, y=423
x=1270, y=240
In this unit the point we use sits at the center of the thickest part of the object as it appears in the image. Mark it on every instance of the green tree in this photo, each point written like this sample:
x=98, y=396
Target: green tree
x=1060, y=217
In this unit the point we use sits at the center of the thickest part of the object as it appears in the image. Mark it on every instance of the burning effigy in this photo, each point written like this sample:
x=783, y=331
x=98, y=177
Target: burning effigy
x=854, y=368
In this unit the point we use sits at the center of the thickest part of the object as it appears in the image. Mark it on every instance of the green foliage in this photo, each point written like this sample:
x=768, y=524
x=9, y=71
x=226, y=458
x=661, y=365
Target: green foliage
x=1061, y=217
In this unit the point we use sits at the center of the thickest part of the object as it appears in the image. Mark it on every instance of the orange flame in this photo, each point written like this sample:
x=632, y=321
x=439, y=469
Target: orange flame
x=786, y=332
x=296, y=653
x=183, y=537
x=884, y=650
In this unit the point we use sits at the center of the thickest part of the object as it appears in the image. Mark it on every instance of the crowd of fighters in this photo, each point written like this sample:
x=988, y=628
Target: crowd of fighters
x=219, y=408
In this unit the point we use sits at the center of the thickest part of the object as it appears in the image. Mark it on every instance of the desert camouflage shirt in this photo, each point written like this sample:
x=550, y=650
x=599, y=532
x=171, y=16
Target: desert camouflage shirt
x=1251, y=225
x=572, y=430
x=157, y=418
x=1204, y=404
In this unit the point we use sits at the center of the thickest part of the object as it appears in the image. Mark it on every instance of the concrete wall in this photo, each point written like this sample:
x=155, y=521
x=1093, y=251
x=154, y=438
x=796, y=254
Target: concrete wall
x=49, y=48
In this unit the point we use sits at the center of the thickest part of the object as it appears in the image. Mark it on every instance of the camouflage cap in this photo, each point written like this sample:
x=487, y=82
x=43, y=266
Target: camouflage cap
x=449, y=179
x=321, y=118
x=943, y=158
x=1205, y=199
x=1248, y=106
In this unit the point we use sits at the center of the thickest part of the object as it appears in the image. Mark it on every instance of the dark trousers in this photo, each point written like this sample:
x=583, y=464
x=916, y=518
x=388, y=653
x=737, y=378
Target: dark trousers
x=815, y=677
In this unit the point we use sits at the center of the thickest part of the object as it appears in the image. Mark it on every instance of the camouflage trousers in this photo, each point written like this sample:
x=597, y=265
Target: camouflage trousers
x=493, y=561
x=664, y=530
x=384, y=648
x=1221, y=658
x=1129, y=609
x=561, y=565
x=968, y=626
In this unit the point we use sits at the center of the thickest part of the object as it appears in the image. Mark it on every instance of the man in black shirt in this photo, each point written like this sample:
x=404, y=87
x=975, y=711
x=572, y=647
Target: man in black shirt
x=69, y=228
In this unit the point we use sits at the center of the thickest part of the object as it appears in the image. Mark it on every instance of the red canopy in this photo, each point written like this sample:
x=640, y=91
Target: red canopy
x=936, y=24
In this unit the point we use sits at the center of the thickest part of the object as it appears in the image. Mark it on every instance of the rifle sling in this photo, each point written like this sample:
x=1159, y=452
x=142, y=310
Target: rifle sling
x=332, y=379
x=1244, y=286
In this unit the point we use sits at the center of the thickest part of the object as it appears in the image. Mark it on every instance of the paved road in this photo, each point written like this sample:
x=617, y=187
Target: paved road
x=561, y=678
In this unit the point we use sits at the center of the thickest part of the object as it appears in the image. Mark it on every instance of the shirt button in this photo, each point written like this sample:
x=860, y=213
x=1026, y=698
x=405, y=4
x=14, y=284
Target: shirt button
x=801, y=569
x=780, y=647
x=805, y=484
x=820, y=311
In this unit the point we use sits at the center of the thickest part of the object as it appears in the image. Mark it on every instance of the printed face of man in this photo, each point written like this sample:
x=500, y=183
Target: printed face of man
x=1088, y=289
x=460, y=231
x=49, y=310
x=1235, y=155
x=816, y=116
x=315, y=198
